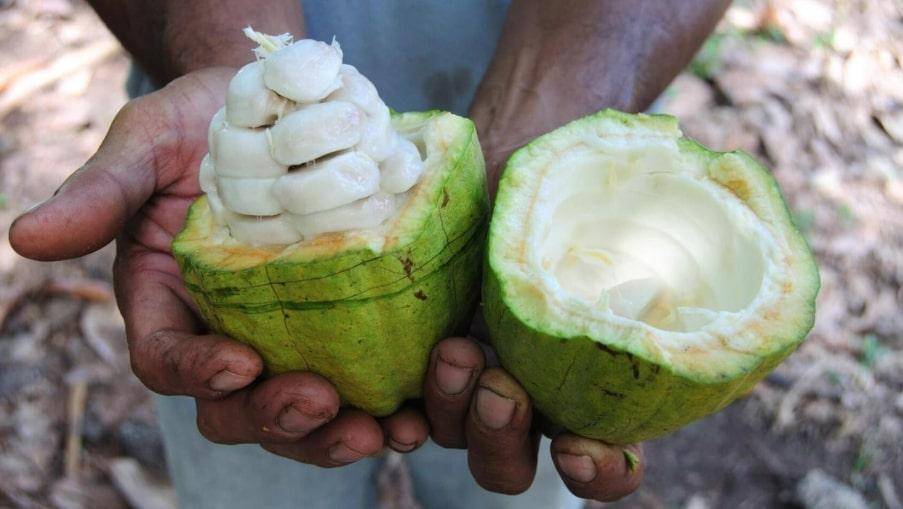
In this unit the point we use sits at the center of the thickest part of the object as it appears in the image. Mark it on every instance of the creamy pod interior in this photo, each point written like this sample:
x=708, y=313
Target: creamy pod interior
x=637, y=281
x=334, y=236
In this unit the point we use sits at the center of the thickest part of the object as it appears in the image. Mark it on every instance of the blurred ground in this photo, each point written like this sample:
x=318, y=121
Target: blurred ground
x=814, y=88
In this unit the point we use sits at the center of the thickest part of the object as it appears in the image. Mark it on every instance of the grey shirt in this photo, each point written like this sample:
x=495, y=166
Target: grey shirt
x=420, y=55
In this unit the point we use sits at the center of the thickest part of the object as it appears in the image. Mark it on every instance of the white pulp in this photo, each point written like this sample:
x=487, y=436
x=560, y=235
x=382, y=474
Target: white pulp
x=304, y=146
x=655, y=246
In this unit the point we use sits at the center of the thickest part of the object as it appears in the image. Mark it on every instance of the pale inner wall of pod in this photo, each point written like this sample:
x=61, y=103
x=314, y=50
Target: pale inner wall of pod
x=643, y=239
x=304, y=146
x=638, y=233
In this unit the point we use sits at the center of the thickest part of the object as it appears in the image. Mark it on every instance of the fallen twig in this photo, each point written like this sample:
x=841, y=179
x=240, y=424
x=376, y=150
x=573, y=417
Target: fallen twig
x=78, y=396
x=92, y=290
x=11, y=296
x=95, y=331
x=17, y=70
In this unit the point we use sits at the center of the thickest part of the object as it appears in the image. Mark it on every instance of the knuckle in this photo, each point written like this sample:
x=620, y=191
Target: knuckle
x=136, y=363
x=295, y=453
x=132, y=110
x=185, y=361
x=158, y=362
x=171, y=358
x=209, y=430
x=493, y=375
x=498, y=379
x=271, y=448
x=276, y=448
x=144, y=370
x=181, y=363
x=462, y=352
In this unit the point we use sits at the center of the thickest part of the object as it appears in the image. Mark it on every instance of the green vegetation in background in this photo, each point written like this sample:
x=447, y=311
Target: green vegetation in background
x=846, y=215
x=707, y=62
x=871, y=350
x=804, y=220
x=824, y=40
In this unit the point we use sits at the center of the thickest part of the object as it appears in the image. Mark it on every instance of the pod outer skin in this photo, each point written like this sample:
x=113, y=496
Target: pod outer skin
x=595, y=386
x=364, y=319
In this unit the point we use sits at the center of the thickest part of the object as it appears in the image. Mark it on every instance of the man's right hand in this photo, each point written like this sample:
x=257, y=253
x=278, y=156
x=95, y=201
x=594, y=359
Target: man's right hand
x=137, y=189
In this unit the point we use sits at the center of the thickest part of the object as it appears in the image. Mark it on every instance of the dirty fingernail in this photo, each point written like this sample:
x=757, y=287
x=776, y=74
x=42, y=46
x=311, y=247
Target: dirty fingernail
x=452, y=379
x=578, y=467
x=400, y=446
x=341, y=453
x=293, y=421
x=226, y=380
x=493, y=409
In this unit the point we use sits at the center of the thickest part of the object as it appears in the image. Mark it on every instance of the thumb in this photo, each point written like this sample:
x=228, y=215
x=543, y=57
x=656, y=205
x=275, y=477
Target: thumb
x=95, y=202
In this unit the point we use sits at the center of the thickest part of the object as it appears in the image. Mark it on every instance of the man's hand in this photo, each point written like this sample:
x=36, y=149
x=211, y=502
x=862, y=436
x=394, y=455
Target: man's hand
x=555, y=62
x=137, y=189
x=558, y=61
x=489, y=413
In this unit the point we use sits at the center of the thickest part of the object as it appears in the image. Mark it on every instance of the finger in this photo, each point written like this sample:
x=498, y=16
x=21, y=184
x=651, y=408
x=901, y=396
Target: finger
x=165, y=352
x=501, y=449
x=405, y=430
x=171, y=362
x=455, y=365
x=350, y=437
x=95, y=202
x=595, y=470
x=292, y=405
x=283, y=408
x=154, y=142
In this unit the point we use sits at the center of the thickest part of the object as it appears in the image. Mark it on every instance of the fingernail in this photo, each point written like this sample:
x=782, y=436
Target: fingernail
x=341, y=453
x=578, y=467
x=293, y=421
x=452, y=379
x=226, y=380
x=400, y=446
x=493, y=409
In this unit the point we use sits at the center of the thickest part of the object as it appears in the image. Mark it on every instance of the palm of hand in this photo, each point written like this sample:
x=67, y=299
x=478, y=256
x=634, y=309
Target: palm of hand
x=166, y=152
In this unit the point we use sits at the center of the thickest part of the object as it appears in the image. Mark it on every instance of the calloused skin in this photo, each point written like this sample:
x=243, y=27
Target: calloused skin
x=136, y=189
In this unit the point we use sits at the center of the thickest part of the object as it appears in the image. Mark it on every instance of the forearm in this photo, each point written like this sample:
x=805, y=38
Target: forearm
x=169, y=38
x=557, y=61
